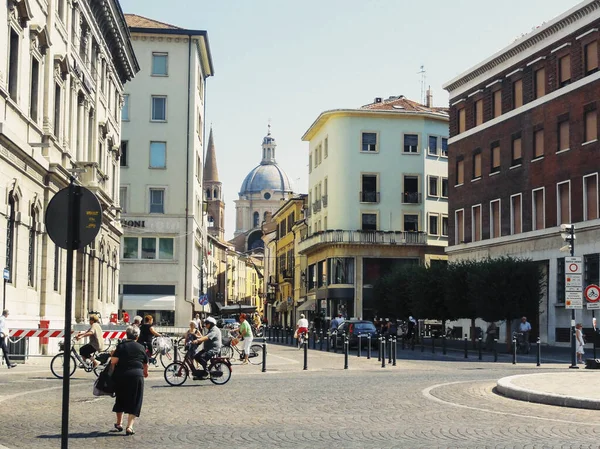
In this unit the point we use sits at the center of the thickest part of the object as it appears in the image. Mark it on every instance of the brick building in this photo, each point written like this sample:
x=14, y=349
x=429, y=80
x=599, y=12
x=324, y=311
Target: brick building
x=524, y=156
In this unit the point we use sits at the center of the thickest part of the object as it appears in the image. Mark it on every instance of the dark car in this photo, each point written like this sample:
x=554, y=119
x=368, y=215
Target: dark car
x=352, y=328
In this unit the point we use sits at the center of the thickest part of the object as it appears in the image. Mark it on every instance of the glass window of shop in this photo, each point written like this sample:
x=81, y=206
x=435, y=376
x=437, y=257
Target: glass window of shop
x=341, y=270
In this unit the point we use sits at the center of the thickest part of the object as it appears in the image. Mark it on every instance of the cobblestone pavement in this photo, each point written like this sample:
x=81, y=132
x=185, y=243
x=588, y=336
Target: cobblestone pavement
x=417, y=404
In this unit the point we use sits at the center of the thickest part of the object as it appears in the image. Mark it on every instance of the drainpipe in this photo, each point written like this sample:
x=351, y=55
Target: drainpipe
x=187, y=176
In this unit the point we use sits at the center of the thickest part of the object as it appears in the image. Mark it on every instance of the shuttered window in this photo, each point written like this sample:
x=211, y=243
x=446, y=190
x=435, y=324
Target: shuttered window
x=477, y=165
x=563, y=135
x=540, y=83
x=459, y=223
x=591, y=126
x=497, y=103
x=538, y=209
x=478, y=112
x=515, y=209
x=462, y=122
x=495, y=218
x=538, y=143
x=591, y=197
x=460, y=172
x=591, y=57
x=564, y=70
x=564, y=200
x=476, y=223
x=516, y=151
x=495, y=159
x=518, y=93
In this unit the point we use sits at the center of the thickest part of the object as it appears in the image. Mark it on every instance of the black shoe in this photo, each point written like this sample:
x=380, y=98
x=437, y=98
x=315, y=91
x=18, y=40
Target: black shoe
x=12, y=365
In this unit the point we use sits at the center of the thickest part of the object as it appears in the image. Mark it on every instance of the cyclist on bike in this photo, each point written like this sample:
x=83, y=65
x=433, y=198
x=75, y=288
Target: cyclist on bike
x=212, y=345
x=147, y=333
x=246, y=333
x=96, y=342
x=302, y=326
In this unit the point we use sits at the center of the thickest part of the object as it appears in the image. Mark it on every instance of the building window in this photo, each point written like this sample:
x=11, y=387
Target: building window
x=411, y=194
x=57, y=265
x=369, y=193
x=445, y=225
x=433, y=186
x=165, y=249
x=560, y=280
x=476, y=223
x=591, y=57
x=433, y=145
x=13, y=65
x=540, y=83
x=160, y=64
x=444, y=187
x=495, y=158
x=10, y=235
x=563, y=191
x=411, y=143
x=433, y=224
x=326, y=144
x=477, y=165
x=57, y=107
x=563, y=135
x=125, y=109
x=310, y=163
x=462, y=120
x=34, y=89
x=591, y=126
x=341, y=270
x=123, y=199
x=159, y=109
x=495, y=229
x=369, y=142
x=460, y=172
x=411, y=223
x=157, y=201
x=444, y=147
x=459, y=226
x=591, y=264
x=255, y=219
x=516, y=226
x=148, y=248
x=538, y=143
x=123, y=158
x=517, y=91
x=590, y=199
x=517, y=156
x=158, y=154
x=478, y=112
x=32, y=248
x=564, y=70
x=538, y=214
x=369, y=222
x=497, y=103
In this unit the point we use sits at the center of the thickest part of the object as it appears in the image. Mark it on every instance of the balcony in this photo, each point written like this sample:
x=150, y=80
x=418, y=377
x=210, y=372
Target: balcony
x=324, y=199
x=369, y=197
x=317, y=206
x=412, y=197
x=362, y=238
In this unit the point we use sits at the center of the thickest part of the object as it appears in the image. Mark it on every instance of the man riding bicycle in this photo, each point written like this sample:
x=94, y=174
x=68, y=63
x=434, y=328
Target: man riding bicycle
x=212, y=345
x=302, y=326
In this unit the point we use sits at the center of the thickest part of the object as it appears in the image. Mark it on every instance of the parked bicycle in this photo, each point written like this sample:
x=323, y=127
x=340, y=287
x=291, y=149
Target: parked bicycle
x=163, y=350
x=257, y=331
x=58, y=361
x=219, y=370
x=230, y=347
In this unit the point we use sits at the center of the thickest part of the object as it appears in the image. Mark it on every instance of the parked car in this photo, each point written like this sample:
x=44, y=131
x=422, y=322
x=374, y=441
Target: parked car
x=353, y=328
x=227, y=323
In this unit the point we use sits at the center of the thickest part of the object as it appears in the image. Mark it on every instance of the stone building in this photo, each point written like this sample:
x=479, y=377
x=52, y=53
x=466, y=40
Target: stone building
x=61, y=86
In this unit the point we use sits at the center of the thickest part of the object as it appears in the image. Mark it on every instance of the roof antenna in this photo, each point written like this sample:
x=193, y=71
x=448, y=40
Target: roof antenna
x=422, y=72
x=269, y=127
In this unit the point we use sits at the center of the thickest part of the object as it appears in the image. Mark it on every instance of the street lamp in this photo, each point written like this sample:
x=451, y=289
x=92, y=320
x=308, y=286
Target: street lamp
x=568, y=235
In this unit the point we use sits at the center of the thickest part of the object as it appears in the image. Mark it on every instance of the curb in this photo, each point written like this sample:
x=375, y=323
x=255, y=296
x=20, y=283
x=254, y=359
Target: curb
x=505, y=387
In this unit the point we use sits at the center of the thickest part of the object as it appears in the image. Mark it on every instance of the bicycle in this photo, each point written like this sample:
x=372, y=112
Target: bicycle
x=218, y=368
x=257, y=330
x=302, y=338
x=58, y=361
x=254, y=357
x=161, y=349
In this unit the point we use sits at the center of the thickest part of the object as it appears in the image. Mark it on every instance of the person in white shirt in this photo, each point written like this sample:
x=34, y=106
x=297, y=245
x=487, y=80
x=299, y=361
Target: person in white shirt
x=302, y=326
x=3, y=337
x=525, y=328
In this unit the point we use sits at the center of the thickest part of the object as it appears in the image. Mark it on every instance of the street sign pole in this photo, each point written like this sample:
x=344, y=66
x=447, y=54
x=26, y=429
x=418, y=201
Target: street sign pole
x=573, y=331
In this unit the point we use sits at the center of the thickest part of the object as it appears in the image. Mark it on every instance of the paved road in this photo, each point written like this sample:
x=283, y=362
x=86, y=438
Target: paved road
x=417, y=404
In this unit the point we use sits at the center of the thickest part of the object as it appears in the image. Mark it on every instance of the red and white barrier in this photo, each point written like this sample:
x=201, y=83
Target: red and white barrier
x=56, y=333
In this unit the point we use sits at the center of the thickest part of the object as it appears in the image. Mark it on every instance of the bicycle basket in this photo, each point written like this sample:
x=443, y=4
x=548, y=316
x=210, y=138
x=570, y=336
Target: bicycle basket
x=164, y=344
x=234, y=341
x=61, y=345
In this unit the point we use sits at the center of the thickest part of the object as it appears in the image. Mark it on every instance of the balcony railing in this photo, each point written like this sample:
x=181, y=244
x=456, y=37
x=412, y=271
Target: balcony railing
x=324, y=199
x=369, y=197
x=411, y=197
x=317, y=206
x=363, y=238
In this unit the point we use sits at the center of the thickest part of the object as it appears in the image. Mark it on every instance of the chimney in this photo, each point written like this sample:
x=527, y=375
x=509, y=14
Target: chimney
x=378, y=99
x=429, y=102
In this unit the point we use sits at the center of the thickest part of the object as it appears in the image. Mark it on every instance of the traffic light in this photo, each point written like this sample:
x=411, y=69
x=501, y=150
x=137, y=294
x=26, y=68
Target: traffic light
x=568, y=235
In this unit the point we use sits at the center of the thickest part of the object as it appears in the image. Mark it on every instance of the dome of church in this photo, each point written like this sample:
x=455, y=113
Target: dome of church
x=266, y=177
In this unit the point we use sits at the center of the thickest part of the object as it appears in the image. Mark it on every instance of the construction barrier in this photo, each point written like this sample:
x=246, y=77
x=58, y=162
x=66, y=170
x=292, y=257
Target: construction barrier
x=56, y=333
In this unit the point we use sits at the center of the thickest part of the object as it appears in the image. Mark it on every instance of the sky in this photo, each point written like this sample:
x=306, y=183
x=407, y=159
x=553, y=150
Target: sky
x=286, y=61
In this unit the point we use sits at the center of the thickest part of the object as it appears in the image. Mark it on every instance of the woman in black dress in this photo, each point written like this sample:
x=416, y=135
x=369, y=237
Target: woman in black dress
x=147, y=333
x=130, y=364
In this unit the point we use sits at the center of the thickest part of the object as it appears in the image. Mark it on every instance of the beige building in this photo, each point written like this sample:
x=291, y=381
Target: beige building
x=164, y=247
x=63, y=68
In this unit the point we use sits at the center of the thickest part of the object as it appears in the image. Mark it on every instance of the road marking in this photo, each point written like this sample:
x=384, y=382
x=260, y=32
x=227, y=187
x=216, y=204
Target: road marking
x=427, y=394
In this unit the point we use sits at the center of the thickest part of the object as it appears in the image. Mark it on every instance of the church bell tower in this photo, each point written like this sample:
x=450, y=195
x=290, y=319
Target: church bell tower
x=213, y=193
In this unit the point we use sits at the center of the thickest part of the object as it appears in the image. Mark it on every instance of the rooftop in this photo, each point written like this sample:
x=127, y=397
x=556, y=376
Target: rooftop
x=401, y=103
x=135, y=21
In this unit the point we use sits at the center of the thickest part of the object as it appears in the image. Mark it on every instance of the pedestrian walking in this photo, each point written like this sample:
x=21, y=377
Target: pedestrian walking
x=246, y=333
x=580, y=342
x=491, y=334
x=96, y=342
x=198, y=321
x=130, y=363
x=4, y=337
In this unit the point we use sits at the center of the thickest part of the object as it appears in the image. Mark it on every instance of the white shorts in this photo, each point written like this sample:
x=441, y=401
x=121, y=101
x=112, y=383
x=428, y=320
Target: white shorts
x=247, y=342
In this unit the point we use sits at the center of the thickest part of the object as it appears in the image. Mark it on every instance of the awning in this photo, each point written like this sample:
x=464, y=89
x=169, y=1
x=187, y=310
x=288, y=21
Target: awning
x=237, y=309
x=218, y=306
x=309, y=304
x=148, y=302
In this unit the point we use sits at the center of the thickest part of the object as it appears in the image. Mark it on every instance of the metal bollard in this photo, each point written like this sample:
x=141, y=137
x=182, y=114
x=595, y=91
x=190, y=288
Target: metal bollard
x=395, y=345
x=382, y=347
x=390, y=351
x=314, y=339
x=422, y=342
x=539, y=352
x=368, y=346
x=466, y=347
x=514, y=342
x=277, y=333
x=479, y=343
x=346, y=351
x=328, y=339
x=359, y=345
x=321, y=340
x=444, y=351
x=264, y=361
x=335, y=342
x=432, y=344
x=495, y=349
x=305, y=355
x=379, y=350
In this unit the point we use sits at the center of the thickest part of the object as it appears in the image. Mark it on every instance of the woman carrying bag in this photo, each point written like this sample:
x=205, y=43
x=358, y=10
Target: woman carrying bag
x=130, y=363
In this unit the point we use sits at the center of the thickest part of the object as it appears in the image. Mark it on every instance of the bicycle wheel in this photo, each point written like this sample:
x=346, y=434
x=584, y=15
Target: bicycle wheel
x=256, y=354
x=181, y=344
x=176, y=374
x=227, y=351
x=166, y=359
x=220, y=373
x=57, y=365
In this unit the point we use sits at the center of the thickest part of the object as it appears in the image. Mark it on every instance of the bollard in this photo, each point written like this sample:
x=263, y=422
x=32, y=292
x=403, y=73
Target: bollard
x=514, y=342
x=328, y=339
x=444, y=345
x=479, y=343
x=305, y=355
x=382, y=350
x=368, y=346
x=320, y=340
x=359, y=345
x=390, y=351
x=379, y=350
x=422, y=342
x=432, y=344
x=334, y=341
x=346, y=351
x=466, y=347
x=277, y=333
x=539, y=352
x=495, y=349
x=264, y=361
x=314, y=339
x=395, y=344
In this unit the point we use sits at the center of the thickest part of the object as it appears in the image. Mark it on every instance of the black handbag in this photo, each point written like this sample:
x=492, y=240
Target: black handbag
x=105, y=384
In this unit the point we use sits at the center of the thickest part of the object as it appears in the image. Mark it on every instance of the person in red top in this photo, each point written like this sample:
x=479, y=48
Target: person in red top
x=125, y=317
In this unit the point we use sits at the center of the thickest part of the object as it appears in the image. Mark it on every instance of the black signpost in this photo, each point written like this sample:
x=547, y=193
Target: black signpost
x=83, y=215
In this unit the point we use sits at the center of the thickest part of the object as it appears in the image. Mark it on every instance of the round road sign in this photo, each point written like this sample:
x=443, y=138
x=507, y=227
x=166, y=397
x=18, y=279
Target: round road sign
x=592, y=293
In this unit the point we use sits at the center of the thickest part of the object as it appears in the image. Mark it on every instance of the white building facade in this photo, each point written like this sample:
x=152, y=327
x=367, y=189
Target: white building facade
x=163, y=255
